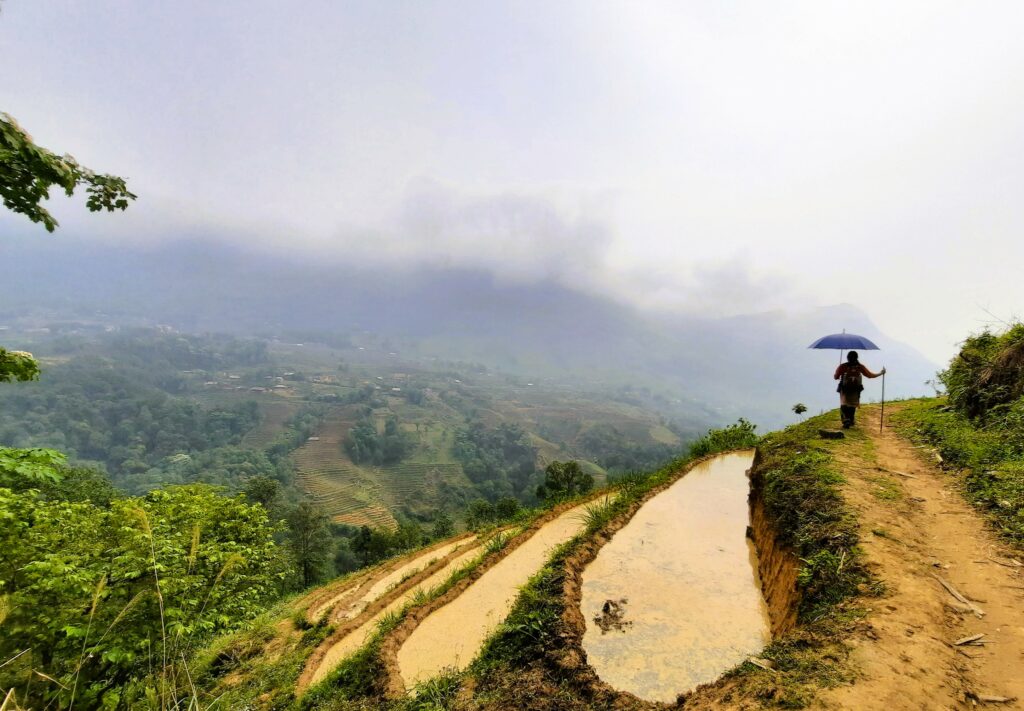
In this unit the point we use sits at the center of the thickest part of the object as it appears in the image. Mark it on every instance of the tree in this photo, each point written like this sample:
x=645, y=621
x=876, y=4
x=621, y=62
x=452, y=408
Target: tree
x=564, y=479
x=799, y=408
x=17, y=365
x=480, y=513
x=28, y=171
x=309, y=538
x=263, y=490
x=443, y=527
x=506, y=508
x=345, y=559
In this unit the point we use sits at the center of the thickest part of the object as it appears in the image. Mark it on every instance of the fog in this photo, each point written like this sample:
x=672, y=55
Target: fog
x=700, y=159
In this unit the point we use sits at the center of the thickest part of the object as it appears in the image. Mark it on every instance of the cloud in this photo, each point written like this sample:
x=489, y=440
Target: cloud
x=517, y=236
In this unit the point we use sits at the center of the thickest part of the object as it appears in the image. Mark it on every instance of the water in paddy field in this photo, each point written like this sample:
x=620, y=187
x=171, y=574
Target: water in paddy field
x=674, y=600
x=451, y=636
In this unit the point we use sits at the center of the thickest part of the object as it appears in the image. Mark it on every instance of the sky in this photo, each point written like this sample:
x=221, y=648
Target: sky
x=714, y=157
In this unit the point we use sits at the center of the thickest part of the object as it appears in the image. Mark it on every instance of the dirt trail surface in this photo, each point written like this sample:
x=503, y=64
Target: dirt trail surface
x=673, y=600
x=919, y=533
x=451, y=636
x=342, y=648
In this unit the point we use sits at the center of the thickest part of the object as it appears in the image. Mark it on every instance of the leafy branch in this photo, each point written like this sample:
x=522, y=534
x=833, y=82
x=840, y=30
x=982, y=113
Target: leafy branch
x=28, y=171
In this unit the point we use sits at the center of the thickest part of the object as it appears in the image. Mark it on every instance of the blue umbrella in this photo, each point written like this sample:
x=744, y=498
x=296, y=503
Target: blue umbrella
x=844, y=342
x=848, y=341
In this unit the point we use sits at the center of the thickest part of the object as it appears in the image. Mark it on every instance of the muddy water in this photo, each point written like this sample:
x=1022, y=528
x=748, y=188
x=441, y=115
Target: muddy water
x=353, y=608
x=357, y=637
x=453, y=634
x=693, y=607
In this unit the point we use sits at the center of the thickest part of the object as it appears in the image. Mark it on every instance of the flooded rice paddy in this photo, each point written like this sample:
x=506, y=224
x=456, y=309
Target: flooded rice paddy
x=355, y=639
x=346, y=608
x=452, y=635
x=673, y=600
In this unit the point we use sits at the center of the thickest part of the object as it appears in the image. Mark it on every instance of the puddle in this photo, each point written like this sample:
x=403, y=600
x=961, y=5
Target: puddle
x=673, y=600
x=357, y=637
x=452, y=635
x=385, y=583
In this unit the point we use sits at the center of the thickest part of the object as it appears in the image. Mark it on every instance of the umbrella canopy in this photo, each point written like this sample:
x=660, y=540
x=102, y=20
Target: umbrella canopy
x=844, y=342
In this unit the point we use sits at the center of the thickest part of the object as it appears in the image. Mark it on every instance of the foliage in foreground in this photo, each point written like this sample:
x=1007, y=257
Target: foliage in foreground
x=28, y=171
x=979, y=428
x=17, y=366
x=98, y=596
x=989, y=457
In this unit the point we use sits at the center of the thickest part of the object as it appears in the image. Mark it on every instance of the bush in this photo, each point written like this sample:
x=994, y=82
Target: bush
x=739, y=435
x=987, y=373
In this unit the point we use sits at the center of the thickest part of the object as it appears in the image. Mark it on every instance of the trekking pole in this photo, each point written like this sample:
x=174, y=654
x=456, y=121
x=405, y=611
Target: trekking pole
x=881, y=420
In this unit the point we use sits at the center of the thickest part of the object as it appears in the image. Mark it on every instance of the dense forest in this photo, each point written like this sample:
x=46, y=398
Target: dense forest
x=120, y=403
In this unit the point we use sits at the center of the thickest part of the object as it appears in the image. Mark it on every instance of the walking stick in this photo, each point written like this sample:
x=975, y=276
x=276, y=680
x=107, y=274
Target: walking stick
x=881, y=420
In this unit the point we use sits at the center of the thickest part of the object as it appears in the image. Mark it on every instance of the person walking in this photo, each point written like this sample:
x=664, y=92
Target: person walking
x=850, y=376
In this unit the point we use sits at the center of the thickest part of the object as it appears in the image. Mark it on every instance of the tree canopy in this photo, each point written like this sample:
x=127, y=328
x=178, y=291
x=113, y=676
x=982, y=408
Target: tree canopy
x=17, y=365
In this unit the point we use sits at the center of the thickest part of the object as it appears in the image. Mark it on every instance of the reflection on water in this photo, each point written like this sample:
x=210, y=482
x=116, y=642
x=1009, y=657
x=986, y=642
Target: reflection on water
x=688, y=575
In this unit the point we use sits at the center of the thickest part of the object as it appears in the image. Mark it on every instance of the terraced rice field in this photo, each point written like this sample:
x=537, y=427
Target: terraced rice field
x=342, y=489
x=458, y=554
x=451, y=636
x=273, y=416
x=409, y=481
x=682, y=574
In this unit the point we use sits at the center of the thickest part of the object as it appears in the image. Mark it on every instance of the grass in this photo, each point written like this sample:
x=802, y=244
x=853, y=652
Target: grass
x=803, y=498
x=987, y=456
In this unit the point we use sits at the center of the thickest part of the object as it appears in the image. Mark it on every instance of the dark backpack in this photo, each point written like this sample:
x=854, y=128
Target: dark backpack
x=851, y=381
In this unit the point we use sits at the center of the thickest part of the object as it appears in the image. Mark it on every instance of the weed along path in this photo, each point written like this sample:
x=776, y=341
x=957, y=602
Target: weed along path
x=451, y=636
x=673, y=600
x=921, y=646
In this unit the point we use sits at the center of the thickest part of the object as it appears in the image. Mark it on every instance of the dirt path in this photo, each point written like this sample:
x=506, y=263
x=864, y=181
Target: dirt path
x=916, y=528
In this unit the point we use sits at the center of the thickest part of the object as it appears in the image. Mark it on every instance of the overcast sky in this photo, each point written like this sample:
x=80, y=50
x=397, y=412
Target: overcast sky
x=721, y=157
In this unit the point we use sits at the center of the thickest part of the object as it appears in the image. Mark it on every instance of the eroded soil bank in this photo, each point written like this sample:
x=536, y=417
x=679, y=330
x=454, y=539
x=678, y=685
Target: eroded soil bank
x=674, y=600
x=777, y=565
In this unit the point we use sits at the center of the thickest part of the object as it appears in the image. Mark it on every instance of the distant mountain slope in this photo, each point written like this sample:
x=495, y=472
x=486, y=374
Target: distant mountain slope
x=755, y=365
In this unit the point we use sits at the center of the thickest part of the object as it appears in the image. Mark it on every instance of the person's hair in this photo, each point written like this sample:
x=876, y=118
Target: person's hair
x=852, y=357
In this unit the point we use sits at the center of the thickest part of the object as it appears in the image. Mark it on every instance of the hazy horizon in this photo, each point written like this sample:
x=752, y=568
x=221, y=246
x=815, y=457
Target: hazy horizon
x=700, y=159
